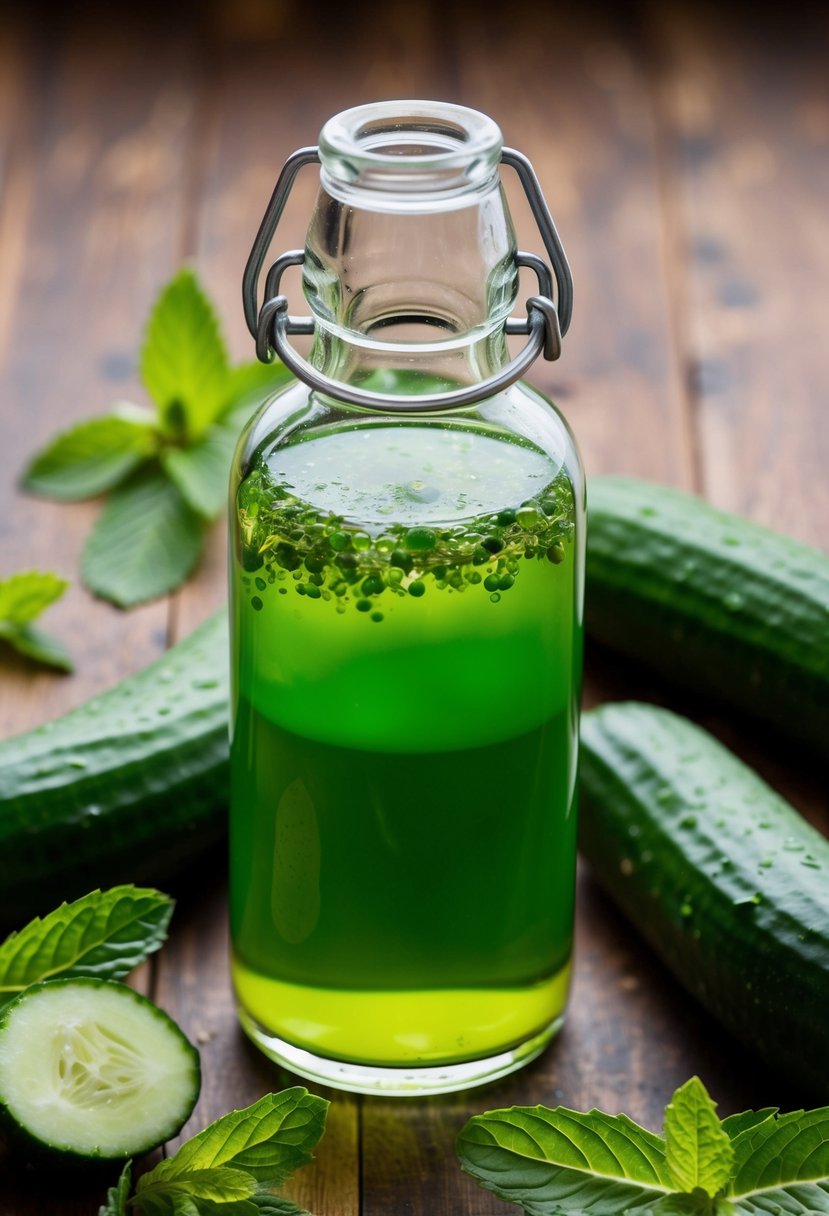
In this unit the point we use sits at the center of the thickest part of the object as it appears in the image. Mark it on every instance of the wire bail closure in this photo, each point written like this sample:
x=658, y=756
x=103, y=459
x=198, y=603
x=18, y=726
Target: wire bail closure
x=547, y=319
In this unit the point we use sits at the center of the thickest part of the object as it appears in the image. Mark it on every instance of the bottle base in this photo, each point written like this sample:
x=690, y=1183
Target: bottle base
x=403, y=1081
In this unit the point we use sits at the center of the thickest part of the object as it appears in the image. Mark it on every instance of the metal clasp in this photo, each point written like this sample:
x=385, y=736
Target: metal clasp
x=546, y=322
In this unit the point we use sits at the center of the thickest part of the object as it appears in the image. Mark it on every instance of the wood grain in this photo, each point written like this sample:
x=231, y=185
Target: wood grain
x=91, y=196
x=744, y=113
x=685, y=159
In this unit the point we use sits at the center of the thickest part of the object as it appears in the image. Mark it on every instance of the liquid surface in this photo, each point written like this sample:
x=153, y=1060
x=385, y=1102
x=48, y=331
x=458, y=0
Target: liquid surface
x=403, y=754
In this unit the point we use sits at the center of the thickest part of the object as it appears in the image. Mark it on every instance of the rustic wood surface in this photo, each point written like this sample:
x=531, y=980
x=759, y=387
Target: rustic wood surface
x=685, y=154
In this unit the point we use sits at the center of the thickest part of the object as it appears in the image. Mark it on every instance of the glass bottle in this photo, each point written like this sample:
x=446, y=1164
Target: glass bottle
x=406, y=590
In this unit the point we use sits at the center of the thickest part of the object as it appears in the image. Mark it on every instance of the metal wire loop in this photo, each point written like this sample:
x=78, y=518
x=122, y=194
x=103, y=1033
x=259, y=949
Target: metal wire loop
x=547, y=319
x=272, y=336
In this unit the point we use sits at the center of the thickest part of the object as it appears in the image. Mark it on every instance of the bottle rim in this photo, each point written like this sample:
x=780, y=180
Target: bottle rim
x=411, y=147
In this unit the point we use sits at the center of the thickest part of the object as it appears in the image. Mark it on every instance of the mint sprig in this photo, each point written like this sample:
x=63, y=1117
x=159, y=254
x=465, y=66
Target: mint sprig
x=233, y=1167
x=165, y=469
x=104, y=934
x=559, y=1162
x=23, y=597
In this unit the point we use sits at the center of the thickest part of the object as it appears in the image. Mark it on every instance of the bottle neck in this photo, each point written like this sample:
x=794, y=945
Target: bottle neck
x=410, y=269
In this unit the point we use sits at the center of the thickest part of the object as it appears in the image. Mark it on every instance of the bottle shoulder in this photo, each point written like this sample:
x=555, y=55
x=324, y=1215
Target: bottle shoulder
x=520, y=414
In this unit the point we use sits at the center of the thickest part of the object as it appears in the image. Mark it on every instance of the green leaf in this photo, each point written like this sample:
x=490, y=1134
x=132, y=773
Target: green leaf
x=116, y=1203
x=269, y=1140
x=782, y=1165
x=561, y=1161
x=699, y=1153
x=35, y=644
x=734, y=1125
x=24, y=596
x=275, y=1205
x=202, y=471
x=93, y=456
x=222, y=1170
x=105, y=934
x=145, y=542
x=217, y=1185
x=696, y=1204
x=184, y=362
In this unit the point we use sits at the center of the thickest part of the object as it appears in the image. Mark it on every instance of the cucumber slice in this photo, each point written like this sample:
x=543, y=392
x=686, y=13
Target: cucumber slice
x=90, y=1068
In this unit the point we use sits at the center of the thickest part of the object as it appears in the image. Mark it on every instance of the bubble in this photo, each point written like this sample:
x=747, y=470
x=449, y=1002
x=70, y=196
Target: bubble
x=363, y=605
x=260, y=584
x=417, y=589
x=421, y=540
x=256, y=604
x=527, y=518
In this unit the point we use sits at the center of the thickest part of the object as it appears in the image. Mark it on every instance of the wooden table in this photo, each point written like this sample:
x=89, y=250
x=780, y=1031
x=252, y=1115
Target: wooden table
x=686, y=159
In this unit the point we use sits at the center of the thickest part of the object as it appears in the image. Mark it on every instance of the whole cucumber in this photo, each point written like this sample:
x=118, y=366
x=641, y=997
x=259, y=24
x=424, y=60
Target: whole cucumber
x=722, y=606
x=127, y=787
x=726, y=881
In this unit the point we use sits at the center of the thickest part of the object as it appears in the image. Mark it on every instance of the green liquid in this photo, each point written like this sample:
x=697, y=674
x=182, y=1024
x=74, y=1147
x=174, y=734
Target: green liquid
x=403, y=755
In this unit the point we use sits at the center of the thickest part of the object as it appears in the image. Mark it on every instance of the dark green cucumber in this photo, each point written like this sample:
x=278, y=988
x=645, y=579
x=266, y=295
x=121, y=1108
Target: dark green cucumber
x=91, y=1070
x=125, y=788
x=718, y=604
x=729, y=885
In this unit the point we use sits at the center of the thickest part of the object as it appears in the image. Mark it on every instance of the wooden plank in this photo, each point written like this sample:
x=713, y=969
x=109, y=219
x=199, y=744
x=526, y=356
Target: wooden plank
x=570, y=89
x=745, y=112
x=90, y=230
x=92, y=141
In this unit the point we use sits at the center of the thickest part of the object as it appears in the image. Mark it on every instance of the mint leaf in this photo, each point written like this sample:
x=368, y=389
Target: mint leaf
x=36, y=644
x=219, y=1184
x=24, y=596
x=223, y=1169
x=116, y=1202
x=105, y=934
x=699, y=1152
x=782, y=1164
x=269, y=1140
x=275, y=1205
x=561, y=1161
x=734, y=1125
x=202, y=470
x=696, y=1204
x=184, y=362
x=93, y=456
x=145, y=542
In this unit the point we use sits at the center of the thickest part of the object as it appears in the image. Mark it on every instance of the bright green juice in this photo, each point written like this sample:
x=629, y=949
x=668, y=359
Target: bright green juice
x=403, y=752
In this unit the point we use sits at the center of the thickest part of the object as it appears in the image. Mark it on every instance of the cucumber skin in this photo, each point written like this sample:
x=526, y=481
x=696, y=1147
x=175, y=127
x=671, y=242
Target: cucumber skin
x=714, y=602
x=29, y=1148
x=671, y=826
x=127, y=787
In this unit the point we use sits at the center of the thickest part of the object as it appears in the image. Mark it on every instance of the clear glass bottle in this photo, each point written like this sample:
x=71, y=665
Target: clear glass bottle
x=406, y=592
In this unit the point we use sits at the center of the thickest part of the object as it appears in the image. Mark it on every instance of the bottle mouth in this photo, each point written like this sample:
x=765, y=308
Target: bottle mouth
x=410, y=148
